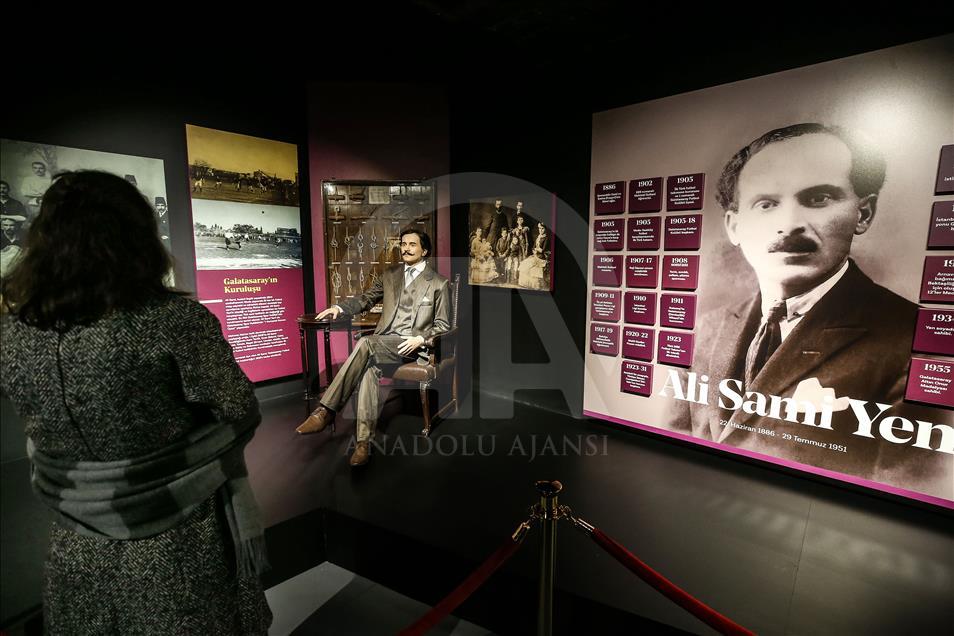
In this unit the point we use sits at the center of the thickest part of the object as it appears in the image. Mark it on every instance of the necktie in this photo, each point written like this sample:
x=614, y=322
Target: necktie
x=767, y=340
x=409, y=274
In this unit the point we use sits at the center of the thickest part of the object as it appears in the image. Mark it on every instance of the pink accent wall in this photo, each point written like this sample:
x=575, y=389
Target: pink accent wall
x=376, y=131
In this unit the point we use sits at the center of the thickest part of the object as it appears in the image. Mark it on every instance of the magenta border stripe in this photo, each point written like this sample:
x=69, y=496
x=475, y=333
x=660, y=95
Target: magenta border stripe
x=910, y=494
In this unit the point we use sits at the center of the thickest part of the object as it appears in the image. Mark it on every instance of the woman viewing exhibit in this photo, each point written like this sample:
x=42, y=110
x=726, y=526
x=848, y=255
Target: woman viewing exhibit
x=136, y=416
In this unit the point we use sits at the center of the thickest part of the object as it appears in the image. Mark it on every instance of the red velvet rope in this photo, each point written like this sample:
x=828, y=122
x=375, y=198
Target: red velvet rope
x=663, y=585
x=463, y=591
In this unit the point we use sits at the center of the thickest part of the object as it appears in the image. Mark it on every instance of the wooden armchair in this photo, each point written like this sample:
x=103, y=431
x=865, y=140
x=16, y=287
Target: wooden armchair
x=441, y=366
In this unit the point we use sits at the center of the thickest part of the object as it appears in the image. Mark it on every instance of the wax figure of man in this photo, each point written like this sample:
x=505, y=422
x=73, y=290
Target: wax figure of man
x=794, y=200
x=415, y=307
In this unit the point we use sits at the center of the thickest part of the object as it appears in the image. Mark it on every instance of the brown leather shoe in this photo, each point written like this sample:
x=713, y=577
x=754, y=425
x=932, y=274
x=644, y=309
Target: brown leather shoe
x=361, y=454
x=317, y=421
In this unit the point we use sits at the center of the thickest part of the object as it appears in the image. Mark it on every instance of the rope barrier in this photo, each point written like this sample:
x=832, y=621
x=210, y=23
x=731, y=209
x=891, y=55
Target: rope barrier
x=463, y=591
x=548, y=512
x=667, y=588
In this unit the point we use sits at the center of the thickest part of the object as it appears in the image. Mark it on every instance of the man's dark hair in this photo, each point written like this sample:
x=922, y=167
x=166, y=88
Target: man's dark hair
x=5, y=183
x=425, y=239
x=93, y=248
x=867, y=164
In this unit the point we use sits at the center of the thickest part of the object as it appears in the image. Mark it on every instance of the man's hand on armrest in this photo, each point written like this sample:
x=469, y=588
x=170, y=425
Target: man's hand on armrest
x=333, y=312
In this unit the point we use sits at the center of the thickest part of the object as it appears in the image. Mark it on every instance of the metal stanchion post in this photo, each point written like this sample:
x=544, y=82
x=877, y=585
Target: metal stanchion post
x=549, y=515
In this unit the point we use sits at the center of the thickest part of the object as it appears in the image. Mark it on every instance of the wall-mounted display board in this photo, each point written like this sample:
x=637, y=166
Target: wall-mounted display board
x=247, y=229
x=511, y=241
x=363, y=225
x=783, y=288
x=27, y=169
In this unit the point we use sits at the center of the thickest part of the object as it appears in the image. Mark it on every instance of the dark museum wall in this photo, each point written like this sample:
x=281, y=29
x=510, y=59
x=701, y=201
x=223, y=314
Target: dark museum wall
x=543, y=139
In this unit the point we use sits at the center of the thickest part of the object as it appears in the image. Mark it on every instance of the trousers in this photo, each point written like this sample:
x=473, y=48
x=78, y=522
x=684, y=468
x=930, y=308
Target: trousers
x=362, y=371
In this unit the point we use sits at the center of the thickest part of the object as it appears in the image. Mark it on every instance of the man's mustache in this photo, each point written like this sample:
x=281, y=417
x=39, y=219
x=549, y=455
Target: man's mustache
x=793, y=243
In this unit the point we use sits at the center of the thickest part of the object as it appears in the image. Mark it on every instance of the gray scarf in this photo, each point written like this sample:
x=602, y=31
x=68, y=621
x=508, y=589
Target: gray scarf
x=144, y=496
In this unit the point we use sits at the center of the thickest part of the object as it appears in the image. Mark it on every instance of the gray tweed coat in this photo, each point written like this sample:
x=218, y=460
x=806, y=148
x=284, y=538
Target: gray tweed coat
x=125, y=386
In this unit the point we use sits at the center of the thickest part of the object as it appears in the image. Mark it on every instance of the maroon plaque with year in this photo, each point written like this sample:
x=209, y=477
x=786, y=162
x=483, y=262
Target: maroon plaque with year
x=609, y=198
x=934, y=332
x=937, y=283
x=643, y=233
x=931, y=382
x=677, y=310
x=945, y=171
x=638, y=343
x=605, y=304
x=675, y=348
x=684, y=192
x=941, y=234
x=683, y=232
x=680, y=272
x=636, y=378
x=604, y=339
x=608, y=234
x=608, y=271
x=639, y=308
x=645, y=195
x=642, y=271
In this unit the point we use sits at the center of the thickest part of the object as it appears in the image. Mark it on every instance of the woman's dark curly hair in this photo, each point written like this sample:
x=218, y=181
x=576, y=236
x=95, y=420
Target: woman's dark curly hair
x=93, y=248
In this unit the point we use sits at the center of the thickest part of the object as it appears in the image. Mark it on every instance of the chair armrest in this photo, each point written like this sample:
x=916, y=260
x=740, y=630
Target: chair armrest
x=436, y=343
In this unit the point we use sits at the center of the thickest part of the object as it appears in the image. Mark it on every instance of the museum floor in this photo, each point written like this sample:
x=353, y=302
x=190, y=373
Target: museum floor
x=759, y=545
x=775, y=552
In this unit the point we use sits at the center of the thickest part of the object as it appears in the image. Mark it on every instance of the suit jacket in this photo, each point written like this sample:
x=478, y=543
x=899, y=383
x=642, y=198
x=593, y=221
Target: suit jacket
x=855, y=340
x=431, y=301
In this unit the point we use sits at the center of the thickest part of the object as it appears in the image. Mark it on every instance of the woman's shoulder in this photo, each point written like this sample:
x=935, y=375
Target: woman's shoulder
x=175, y=310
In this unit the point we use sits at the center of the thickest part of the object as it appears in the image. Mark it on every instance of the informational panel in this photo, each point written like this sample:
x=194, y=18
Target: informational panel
x=782, y=285
x=28, y=169
x=247, y=227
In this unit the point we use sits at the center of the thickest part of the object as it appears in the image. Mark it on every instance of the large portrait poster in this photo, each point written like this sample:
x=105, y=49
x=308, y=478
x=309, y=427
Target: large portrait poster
x=27, y=170
x=783, y=287
x=247, y=229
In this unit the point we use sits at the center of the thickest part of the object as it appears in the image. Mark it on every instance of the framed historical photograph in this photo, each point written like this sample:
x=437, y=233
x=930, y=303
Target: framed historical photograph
x=28, y=169
x=510, y=241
